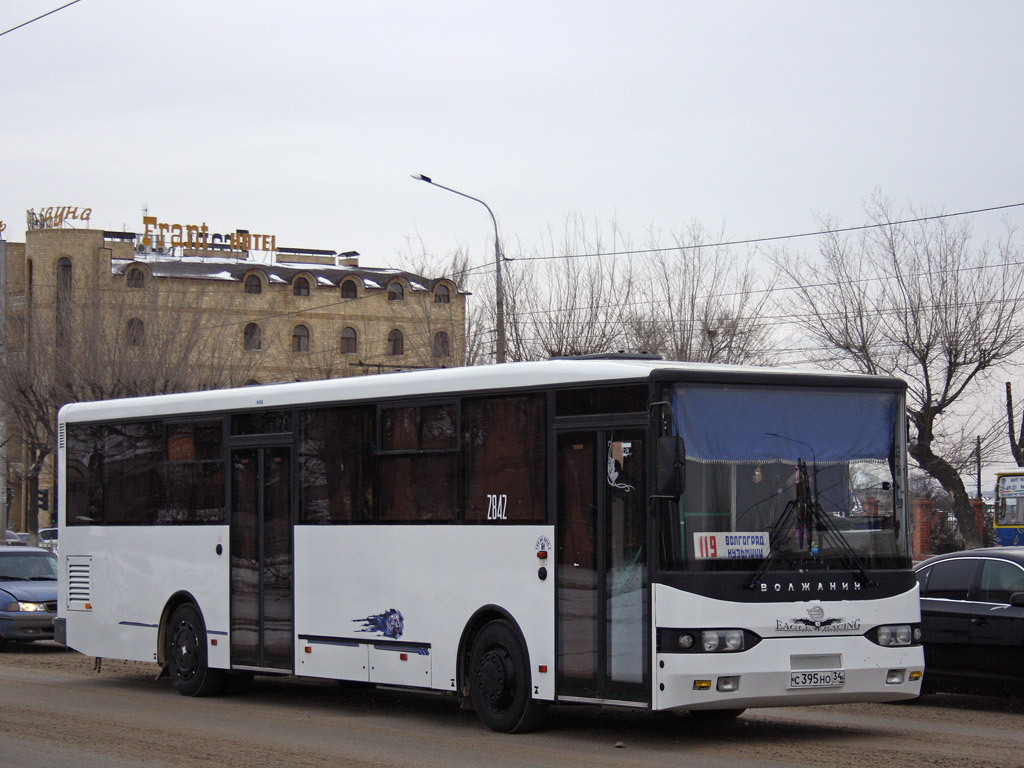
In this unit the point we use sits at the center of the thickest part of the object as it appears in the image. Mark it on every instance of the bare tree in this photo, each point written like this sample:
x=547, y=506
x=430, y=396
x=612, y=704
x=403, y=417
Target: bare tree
x=112, y=343
x=706, y=304
x=584, y=301
x=923, y=302
x=466, y=337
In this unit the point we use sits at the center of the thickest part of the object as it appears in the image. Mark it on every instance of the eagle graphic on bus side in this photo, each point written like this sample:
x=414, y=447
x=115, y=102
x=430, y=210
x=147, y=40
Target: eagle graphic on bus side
x=390, y=623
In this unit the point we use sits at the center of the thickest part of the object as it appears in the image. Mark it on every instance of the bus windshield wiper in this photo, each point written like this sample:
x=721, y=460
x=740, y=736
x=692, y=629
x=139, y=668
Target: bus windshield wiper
x=807, y=515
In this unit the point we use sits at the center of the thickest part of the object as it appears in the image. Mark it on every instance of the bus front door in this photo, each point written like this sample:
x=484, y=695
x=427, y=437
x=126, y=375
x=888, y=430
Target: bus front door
x=603, y=638
x=261, y=559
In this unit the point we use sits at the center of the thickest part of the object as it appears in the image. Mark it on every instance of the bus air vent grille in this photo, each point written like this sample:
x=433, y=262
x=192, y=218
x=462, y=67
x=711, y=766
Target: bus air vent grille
x=79, y=583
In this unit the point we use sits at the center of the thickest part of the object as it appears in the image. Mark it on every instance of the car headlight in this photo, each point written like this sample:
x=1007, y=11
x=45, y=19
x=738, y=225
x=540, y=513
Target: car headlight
x=18, y=606
x=895, y=635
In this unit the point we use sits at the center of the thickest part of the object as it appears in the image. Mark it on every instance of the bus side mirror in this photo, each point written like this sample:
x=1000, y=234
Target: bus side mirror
x=670, y=471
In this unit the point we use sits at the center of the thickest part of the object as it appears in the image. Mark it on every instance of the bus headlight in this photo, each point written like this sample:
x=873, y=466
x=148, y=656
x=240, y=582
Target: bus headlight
x=727, y=640
x=895, y=635
x=722, y=640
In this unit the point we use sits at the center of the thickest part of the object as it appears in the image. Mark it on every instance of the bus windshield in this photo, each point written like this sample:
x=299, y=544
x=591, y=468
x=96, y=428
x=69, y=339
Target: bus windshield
x=1010, y=500
x=804, y=477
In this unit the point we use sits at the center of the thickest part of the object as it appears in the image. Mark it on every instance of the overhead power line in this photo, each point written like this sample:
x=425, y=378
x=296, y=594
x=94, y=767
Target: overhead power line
x=773, y=238
x=37, y=18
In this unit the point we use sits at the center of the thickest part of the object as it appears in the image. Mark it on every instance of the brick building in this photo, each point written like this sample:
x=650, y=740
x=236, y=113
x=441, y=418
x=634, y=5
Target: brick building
x=100, y=314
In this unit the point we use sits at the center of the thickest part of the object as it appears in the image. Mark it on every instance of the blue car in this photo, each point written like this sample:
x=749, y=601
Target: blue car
x=28, y=593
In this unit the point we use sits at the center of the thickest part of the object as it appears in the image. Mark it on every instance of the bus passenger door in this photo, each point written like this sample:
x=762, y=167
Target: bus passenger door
x=603, y=637
x=261, y=559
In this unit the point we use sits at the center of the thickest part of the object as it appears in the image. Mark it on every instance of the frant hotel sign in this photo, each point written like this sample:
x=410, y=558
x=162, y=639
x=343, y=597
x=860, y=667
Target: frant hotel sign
x=198, y=236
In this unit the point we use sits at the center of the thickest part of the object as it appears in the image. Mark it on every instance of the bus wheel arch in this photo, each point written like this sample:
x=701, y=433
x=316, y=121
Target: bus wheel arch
x=184, y=647
x=172, y=604
x=494, y=672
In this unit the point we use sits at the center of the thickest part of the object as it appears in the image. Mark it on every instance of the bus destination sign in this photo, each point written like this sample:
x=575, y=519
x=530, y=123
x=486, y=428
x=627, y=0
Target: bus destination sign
x=731, y=546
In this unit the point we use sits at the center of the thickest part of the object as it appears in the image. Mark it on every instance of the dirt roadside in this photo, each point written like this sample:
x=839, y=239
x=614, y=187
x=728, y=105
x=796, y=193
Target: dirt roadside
x=56, y=700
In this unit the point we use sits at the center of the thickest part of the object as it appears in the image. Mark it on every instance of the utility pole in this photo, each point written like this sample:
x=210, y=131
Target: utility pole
x=979, y=466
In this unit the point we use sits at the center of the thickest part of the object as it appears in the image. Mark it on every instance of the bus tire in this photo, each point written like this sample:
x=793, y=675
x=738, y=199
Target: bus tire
x=500, y=683
x=185, y=652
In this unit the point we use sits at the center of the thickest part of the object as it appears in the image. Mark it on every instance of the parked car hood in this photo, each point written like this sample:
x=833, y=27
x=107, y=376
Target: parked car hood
x=29, y=591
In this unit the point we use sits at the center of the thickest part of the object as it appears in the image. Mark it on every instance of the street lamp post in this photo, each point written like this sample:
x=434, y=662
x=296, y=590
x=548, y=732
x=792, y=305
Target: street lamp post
x=499, y=291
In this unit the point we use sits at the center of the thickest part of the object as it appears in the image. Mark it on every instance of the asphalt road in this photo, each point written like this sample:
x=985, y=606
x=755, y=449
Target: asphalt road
x=56, y=709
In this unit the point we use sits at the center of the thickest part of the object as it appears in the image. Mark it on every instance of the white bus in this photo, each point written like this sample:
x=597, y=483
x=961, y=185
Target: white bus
x=619, y=531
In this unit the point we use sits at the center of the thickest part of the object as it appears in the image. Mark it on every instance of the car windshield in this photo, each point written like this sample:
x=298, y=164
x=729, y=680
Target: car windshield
x=28, y=566
x=803, y=477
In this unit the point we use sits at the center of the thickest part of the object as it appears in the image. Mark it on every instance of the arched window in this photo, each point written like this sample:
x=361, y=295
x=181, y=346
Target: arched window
x=253, y=284
x=442, y=295
x=136, y=278
x=349, y=341
x=136, y=332
x=253, y=337
x=300, y=339
x=348, y=289
x=442, y=347
x=396, y=343
x=396, y=292
x=300, y=287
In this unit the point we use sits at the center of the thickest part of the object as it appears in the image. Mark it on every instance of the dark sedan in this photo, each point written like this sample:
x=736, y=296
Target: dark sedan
x=28, y=593
x=972, y=621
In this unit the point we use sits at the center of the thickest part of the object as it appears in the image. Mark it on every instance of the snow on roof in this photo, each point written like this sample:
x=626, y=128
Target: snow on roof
x=280, y=273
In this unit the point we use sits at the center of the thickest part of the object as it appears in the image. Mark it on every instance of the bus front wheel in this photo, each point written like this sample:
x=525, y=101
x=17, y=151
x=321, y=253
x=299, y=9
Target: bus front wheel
x=499, y=681
x=185, y=652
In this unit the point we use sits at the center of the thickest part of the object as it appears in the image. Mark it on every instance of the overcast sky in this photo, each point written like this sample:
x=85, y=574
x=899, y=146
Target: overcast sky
x=304, y=119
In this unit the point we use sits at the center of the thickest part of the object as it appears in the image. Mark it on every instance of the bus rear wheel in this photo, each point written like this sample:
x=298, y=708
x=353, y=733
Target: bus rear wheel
x=186, y=656
x=499, y=681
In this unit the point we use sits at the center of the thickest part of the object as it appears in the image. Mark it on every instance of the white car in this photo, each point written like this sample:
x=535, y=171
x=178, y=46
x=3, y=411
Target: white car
x=48, y=538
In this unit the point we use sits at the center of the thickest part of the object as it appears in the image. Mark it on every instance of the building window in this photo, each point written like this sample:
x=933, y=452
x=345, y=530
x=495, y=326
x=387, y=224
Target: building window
x=442, y=295
x=136, y=333
x=348, y=289
x=63, y=299
x=349, y=341
x=300, y=287
x=253, y=337
x=396, y=343
x=442, y=346
x=300, y=339
x=136, y=278
x=253, y=284
x=396, y=292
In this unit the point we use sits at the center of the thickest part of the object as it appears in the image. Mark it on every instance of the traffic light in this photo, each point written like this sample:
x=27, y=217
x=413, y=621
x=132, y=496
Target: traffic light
x=43, y=498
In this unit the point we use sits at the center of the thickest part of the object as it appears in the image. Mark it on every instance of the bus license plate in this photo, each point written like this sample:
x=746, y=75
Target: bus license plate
x=822, y=679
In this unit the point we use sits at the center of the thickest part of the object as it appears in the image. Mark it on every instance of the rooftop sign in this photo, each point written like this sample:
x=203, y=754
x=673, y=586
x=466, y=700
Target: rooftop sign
x=53, y=217
x=158, y=233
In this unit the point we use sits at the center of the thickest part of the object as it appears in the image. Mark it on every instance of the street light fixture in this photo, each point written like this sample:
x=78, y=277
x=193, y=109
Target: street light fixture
x=499, y=298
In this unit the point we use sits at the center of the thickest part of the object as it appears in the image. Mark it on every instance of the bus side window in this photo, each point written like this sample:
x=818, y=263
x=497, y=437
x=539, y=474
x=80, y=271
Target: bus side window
x=418, y=464
x=336, y=470
x=504, y=448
